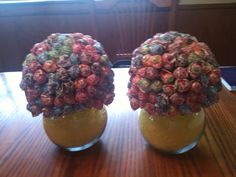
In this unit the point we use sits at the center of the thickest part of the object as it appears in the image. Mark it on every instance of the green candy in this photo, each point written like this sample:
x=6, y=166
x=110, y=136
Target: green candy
x=68, y=42
x=53, y=54
x=156, y=86
x=144, y=50
x=65, y=50
x=143, y=84
x=104, y=60
x=28, y=59
x=193, y=58
x=43, y=57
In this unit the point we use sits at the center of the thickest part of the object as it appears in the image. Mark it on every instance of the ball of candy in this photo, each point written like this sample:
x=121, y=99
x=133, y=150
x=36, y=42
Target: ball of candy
x=67, y=72
x=173, y=72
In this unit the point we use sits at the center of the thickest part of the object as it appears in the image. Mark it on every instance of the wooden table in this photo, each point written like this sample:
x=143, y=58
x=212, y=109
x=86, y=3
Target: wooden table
x=25, y=150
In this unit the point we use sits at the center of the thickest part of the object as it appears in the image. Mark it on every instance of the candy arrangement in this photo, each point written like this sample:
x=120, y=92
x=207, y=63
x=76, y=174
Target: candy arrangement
x=67, y=72
x=173, y=72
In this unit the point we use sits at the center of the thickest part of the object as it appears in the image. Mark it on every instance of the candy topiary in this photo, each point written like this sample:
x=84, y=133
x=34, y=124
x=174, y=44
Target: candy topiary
x=67, y=72
x=173, y=73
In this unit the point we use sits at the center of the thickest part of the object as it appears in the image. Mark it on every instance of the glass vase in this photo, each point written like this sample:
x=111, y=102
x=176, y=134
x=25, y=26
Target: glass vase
x=78, y=130
x=172, y=134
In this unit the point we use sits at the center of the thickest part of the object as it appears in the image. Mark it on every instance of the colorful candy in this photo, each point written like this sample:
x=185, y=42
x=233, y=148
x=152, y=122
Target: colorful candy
x=173, y=72
x=67, y=72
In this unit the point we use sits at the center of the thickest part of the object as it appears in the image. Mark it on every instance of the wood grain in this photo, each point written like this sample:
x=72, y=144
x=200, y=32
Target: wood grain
x=25, y=151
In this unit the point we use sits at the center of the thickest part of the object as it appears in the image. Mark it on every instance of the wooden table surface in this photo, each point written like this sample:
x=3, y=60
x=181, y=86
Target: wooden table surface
x=25, y=150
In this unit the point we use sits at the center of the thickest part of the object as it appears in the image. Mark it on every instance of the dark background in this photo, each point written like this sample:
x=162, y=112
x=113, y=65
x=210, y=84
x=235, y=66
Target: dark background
x=120, y=27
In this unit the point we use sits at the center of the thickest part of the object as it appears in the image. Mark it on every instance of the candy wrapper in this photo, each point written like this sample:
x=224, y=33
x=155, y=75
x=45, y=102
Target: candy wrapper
x=173, y=72
x=67, y=72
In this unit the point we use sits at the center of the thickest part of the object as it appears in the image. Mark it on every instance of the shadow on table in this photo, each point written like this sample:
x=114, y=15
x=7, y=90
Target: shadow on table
x=87, y=152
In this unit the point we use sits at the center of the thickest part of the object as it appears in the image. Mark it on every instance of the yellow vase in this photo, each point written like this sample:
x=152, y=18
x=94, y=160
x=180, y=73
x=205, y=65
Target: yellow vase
x=78, y=130
x=172, y=134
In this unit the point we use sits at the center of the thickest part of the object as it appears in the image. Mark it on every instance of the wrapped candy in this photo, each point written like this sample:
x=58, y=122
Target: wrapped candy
x=40, y=76
x=180, y=73
x=67, y=72
x=194, y=70
x=50, y=66
x=143, y=84
x=173, y=72
x=156, y=86
x=177, y=99
x=168, y=89
x=167, y=77
x=182, y=85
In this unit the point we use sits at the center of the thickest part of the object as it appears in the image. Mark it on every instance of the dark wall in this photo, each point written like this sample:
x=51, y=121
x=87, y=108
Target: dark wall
x=213, y=24
x=120, y=28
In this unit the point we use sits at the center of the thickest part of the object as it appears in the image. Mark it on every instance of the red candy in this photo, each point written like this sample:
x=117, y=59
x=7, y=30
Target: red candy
x=89, y=48
x=85, y=58
x=47, y=100
x=109, y=98
x=196, y=87
x=152, y=98
x=84, y=70
x=69, y=99
x=106, y=71
x=50, y=66
x=142, y=103
x=133, y=91
x=76, y=48
x=92, y=79
x=31, y=94
x=168, y=62
x=142, y=96
x=180, y=73
x=80, y=83
x=98, y=104
x=150, y=108
x=182, y=85
x=96, y=58
x=39, y=48
x=168, y=89
x=91, y=90
x=134, y=103
x=177, y=99
x=33, y=66
x=151, y=73
x=167, y=77
x=135, y=80
x=40, y=76
x=142, y=72
x=81, y=97
x=89, y=40
x=58, y=102
x=214, y=78
x=192, y=98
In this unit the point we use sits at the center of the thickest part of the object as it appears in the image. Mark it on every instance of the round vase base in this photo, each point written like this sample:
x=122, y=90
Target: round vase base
x=81, y=148
x=186, y=148
x=181, y=150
